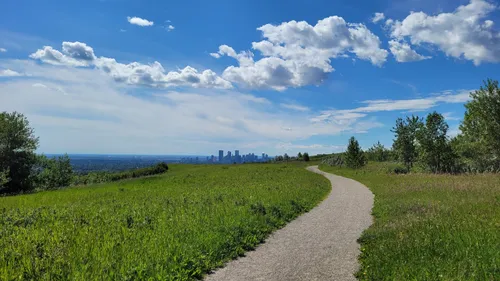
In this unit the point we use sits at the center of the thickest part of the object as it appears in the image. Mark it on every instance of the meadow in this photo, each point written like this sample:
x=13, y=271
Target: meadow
x=174, y=226
x=428, y=226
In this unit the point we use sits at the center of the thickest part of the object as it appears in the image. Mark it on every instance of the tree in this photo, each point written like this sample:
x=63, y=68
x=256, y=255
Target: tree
x=286, y=157
x=299, y=155
x=306, y=157
x=404, y=145
x=53, y=172
x=479, y=143
x=17, y=157
x=355, y=157
x=435, y=149
x=378, y=152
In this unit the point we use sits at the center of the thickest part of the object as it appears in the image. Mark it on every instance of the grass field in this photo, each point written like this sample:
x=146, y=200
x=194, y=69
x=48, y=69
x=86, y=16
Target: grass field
x=430, y=227
x=176, y=226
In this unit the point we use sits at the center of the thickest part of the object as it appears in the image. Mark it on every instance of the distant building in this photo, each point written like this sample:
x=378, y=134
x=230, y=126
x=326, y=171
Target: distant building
x=221, y=155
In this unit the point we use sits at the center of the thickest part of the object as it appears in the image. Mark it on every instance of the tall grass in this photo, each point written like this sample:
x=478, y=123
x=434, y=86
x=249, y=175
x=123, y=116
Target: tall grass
x=430, y=227
x=176, y=226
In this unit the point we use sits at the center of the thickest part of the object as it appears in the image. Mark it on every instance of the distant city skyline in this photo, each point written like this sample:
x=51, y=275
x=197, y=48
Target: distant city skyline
x=229, y=158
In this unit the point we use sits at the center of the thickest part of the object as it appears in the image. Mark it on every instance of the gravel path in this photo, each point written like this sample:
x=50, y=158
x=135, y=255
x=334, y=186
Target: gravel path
x=319, y=245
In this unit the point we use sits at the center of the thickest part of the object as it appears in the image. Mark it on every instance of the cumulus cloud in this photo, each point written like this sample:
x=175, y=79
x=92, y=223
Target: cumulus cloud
x=79, y=54
x=107, y=119
x=73, y=54
x=9, y=73
x=464, y=33
x=378, y=17
x=296, y=54
x=403, y=52
x=170, y=27
x=3, y=50
x=139, y=21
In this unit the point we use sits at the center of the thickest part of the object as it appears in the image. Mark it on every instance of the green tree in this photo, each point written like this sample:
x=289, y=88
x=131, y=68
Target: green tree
x=434, y=148
x=299, y=156
x=306, y=157
x=404, y=145
x=53, y=172
x=355, y=157
x=378, y=152
x=286, y=157
x=479, y=143
x=17, y=152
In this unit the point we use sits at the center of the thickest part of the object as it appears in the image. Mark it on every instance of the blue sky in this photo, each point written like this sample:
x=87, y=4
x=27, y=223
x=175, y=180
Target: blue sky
x=192, y=77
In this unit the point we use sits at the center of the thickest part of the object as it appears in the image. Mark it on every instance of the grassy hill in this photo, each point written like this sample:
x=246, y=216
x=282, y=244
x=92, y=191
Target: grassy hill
x=175, y=226
x=430, y=227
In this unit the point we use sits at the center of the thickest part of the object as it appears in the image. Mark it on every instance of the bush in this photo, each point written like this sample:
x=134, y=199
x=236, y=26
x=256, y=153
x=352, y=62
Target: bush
x=53, y=173
x=399, y=170
x=335, y=160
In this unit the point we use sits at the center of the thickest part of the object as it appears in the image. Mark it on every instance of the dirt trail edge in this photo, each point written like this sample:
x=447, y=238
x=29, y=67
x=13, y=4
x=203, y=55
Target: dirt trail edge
x=319, y=245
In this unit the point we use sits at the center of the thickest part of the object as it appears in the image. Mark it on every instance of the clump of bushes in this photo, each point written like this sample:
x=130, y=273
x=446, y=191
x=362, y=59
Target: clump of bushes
x=399, y=169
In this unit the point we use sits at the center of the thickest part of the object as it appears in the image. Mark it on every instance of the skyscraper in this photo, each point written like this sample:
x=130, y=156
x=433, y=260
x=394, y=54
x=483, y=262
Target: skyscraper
x=221, y=155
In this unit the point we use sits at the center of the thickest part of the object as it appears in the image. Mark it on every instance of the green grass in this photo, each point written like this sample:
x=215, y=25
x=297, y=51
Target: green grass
x=430, y=227
x=175, y=226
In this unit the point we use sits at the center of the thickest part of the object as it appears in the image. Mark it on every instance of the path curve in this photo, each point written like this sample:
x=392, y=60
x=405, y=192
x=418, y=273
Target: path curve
x=319, y=245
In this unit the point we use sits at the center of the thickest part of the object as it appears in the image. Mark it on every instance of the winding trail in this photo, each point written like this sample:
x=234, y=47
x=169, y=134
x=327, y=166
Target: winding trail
x=319, y=245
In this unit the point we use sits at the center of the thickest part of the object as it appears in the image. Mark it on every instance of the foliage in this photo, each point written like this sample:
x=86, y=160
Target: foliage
x=4, y=177
x=435, y=150
x=53, y=173
x=428, y=226
x=404, y=145
x=101, y=177
x=174, y=227
x=286, y=157
x=378, y=152
x=334, y=160
x=479, y=143
x=299, y=155
x=354, y=156
x=306, y=157
x=17, y=157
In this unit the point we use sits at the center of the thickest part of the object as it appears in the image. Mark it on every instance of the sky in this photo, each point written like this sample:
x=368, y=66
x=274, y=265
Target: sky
x=193, y=77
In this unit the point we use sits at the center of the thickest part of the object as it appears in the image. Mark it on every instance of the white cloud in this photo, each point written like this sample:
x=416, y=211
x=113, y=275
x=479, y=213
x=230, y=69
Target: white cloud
x=79, y=54
x=82, y=110
x=295, y=107
x=349, y=116
x=215, y=55
x=170, y=27
x=73, y=54
x=403, y=52
x=296, y=54
x=464, y=33
x=140, y=22
x=378, y=17
x=450, y=116
x=3, y=50
x=309, y=148
x=9, y=73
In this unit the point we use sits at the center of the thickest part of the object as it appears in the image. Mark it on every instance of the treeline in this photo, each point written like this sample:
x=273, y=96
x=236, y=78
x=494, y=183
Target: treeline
x=424, y=142
x=285, y=157
x=22, y=170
